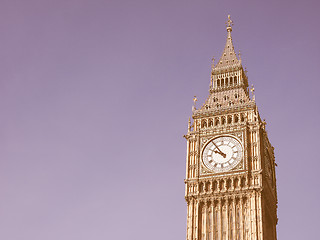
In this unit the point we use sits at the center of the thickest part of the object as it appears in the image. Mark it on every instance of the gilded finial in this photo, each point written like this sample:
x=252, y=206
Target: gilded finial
x=252, y=91
x=229, y=24
x=240, y=56
x=194, y=103
x=195, y=100
x=189, y=125
x=212, y=65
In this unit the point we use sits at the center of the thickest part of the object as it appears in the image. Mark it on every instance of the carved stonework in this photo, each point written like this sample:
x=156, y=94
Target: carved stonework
x=230, y=190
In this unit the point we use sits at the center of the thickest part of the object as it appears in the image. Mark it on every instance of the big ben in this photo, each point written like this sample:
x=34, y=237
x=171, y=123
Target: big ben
x=230, y=185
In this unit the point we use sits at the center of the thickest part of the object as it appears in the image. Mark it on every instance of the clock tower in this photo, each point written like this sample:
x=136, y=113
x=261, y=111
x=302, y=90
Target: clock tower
x=230, y=184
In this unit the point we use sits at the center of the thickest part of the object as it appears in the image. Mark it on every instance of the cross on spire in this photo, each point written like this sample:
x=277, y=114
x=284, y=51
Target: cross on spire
x=229, y=24
x=229, y=57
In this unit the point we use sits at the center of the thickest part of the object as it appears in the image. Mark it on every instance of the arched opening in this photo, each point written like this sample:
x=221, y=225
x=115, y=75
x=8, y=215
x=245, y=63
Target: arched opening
x=223, y=120
x=236, y=182
x=221, y=185
x=235, y=80
x=214, y=186
x=200, y=187
x=242, y=117
x=236, y=118
x=243, y=182
x=210, y=122
x=228, y=184
x=204, y=124
x=207, y=186
x=217, y=122
x=229, y=119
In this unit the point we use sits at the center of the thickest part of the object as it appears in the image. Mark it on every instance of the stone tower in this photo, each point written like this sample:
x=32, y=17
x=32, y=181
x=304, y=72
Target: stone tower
x=230, y=184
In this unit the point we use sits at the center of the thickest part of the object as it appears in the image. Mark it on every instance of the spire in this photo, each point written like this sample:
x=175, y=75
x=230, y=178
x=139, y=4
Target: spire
x=229, y=57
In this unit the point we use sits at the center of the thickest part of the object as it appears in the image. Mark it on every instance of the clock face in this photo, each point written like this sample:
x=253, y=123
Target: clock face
x=222, y=154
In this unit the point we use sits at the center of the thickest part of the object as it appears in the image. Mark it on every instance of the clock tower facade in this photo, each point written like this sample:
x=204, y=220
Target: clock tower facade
x=230, y=184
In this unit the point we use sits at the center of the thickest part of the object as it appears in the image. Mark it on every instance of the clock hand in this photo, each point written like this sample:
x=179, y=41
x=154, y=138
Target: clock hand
x=217, y=147
x=223, y=154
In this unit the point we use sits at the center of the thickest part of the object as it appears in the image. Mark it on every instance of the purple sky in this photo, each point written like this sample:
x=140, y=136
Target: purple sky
x=95, y=96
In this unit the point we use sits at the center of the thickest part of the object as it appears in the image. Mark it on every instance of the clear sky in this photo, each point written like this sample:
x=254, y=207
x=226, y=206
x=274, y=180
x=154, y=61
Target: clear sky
x=95, y=97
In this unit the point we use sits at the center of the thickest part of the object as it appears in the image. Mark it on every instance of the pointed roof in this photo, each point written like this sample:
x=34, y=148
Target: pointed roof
x=229, y=57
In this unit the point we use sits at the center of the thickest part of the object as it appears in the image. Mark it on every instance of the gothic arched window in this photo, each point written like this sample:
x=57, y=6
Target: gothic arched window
x=223, y=120
x=235, y=80
x=204, y=123
x=236, y=118
x=210, y=122
x=217, y=122
x=229, y=119
x=242, y=117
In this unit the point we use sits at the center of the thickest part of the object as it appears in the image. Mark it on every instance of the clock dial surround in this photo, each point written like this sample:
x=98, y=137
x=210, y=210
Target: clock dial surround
x=222, y=153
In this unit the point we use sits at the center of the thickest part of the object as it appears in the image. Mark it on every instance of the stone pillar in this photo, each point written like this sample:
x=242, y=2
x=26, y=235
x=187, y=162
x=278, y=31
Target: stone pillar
x=233, y=236
x=211, y=223
x=215, y=221
x=259, y=216
x=188, y=159
x=219, y=218
x=241, y=207
x=253, y=215
x=193, y=158
x=197, y=150
x=195, y=220
x=189, y=219
x=227, y=227
x=204, y=221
